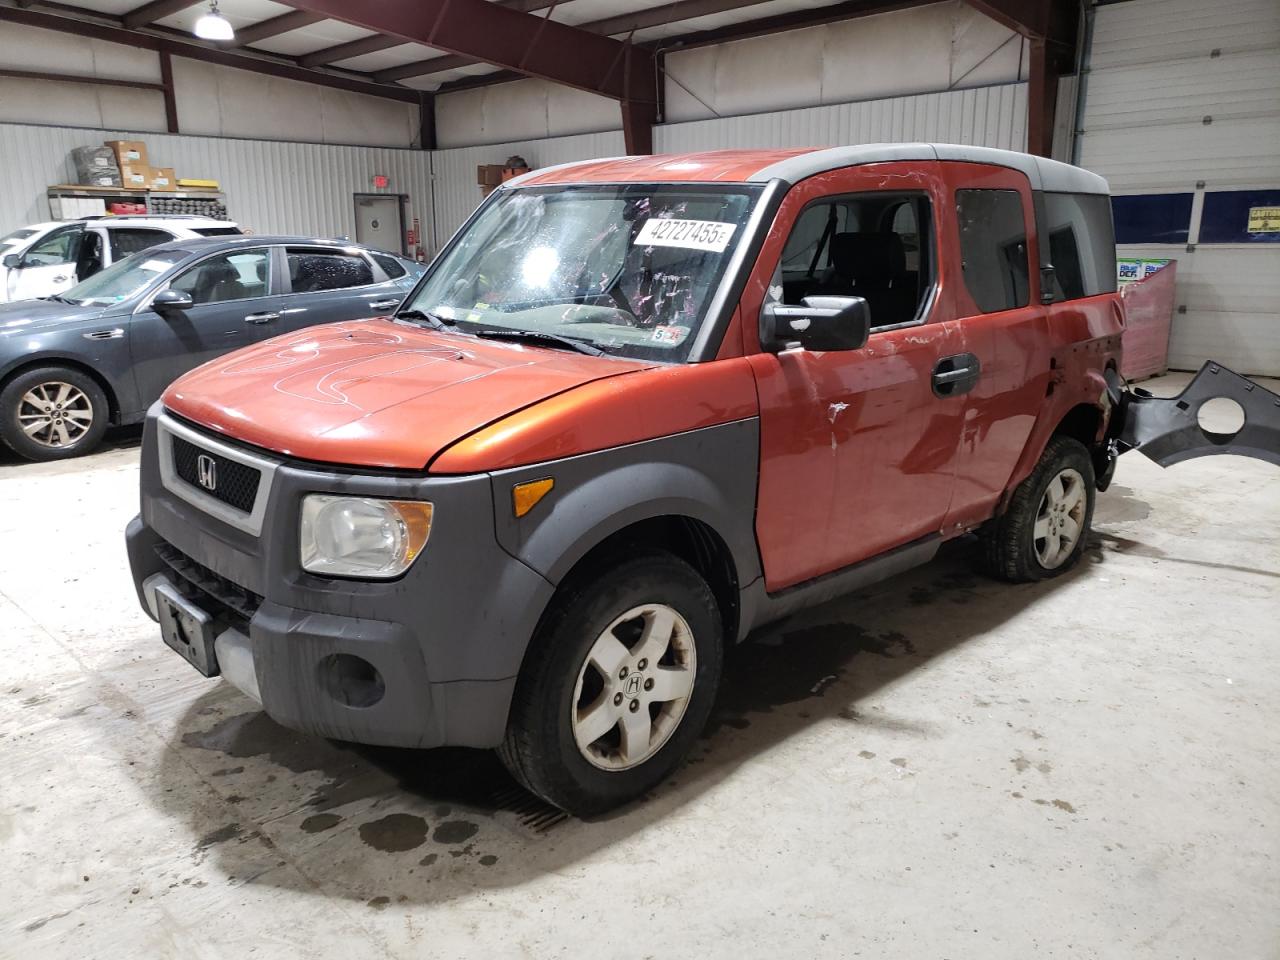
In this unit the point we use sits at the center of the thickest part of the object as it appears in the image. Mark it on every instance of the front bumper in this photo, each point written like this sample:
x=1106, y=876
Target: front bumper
x=423, y=661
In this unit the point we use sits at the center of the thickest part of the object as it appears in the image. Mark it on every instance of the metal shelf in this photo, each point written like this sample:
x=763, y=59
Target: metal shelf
x=81, y=190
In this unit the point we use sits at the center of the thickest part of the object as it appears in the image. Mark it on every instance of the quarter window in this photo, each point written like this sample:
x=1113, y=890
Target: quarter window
x=1082, y=246
x=390, y=266
x=241, y=275
x=125, y=241
x=993, y=248
x=312, y=270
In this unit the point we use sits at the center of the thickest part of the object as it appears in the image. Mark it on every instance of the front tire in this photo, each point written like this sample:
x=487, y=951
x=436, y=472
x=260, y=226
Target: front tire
x=52, y=413
x=1043, y=532
x=617, y=684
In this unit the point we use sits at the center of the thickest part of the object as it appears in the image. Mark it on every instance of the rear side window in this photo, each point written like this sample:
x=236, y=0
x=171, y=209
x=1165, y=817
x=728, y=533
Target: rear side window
x=390, y=266
x=218, y=231
x=312, y=270
x=1082, y=246
x=993, y=248
x=127, y=240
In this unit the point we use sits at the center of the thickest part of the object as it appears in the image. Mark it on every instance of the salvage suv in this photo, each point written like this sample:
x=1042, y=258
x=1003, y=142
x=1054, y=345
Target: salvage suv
x=635, y=409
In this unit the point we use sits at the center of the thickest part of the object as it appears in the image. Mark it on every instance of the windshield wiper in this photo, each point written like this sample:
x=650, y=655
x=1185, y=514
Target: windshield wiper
x=435, y=320
x=542, y=339
x=60, y=298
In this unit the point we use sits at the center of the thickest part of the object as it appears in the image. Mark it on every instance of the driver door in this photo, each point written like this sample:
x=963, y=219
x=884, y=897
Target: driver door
x=231, y=296
x=858, y=448
x=49, y=265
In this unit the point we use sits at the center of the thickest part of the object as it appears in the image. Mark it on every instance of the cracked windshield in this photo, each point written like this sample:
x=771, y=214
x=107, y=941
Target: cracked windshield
x=624, y=270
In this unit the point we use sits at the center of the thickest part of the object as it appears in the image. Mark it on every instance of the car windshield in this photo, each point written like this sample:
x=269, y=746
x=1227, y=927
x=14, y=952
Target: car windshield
x=628, y=269
x=122, y=280
x=15, y=239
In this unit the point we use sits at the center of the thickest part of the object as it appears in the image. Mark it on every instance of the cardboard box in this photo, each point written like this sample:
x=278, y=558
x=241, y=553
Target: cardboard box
x=133, y=152
x=489, y=174
x=162, y=178
x=135, y=175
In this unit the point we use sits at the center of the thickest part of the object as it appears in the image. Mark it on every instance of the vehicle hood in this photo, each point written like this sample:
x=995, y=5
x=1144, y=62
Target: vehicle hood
x=23, y=317
x=375, y=393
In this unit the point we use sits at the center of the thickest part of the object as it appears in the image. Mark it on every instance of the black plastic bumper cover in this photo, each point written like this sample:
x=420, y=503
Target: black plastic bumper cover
x=1167, y=429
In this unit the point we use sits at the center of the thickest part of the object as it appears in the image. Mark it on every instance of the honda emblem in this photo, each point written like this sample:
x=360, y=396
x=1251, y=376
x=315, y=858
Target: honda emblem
x=207, y=472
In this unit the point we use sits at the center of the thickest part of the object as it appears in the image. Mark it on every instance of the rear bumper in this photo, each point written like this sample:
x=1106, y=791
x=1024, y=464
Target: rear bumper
x=424, y=661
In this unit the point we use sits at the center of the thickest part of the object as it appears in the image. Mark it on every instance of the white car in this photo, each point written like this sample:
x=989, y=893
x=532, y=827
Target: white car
x=48, y=258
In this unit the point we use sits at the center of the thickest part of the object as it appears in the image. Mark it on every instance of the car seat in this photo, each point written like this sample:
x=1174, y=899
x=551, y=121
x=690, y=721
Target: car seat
x=873, y=266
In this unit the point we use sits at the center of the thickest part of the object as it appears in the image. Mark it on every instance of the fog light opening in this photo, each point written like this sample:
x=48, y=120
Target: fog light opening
x=352, y=681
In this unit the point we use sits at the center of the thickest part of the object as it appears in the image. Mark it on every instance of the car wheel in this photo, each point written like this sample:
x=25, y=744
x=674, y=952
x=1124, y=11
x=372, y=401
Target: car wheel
x=1044, y=529
x=617, y=684
x=52, y=413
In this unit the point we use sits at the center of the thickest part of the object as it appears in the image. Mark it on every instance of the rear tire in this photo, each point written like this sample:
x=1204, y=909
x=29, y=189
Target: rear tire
x=52, y=413
x=1043, y=532
x=617, y=684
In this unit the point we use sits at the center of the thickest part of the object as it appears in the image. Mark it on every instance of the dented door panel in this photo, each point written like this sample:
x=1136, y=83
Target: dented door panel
x=1167, y=429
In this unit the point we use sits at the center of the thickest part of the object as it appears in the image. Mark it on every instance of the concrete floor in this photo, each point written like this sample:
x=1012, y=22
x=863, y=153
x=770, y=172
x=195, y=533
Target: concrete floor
x=942, y=766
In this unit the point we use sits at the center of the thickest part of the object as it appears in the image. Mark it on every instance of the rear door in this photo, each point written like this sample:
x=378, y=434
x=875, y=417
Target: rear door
x=231, y=305
x=49, y=265
x=327, y=284
x=1003, y=327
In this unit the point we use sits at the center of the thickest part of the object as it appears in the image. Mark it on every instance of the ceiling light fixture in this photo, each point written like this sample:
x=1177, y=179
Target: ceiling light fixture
x=213, y=25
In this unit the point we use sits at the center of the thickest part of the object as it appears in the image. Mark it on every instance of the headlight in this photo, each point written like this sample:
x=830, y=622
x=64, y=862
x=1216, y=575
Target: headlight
x=362, y=536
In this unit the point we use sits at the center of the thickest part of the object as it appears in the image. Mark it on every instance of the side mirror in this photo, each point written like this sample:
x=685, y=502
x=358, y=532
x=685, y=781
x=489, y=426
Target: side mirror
x=12, y=261
x=823, y=323
x=171, y=300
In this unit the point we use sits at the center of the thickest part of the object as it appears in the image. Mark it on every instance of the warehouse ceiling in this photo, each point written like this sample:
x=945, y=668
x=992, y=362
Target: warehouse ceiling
x=293, y=33
x=409, y=49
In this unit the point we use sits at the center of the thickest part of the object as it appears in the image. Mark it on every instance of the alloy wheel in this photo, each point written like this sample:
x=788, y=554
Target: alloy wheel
x=634, y=687
x=55, y=414
x=1060, y=519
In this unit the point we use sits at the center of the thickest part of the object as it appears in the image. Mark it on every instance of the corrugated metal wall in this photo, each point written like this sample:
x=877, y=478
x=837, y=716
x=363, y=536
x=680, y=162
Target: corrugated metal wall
x=307, y=188
x=987, y=116
x=458, y=194
x=295, y=188
x=1184, y=96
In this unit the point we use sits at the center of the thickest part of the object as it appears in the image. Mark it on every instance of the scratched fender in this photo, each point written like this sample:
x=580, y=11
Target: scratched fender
x=1168, y=431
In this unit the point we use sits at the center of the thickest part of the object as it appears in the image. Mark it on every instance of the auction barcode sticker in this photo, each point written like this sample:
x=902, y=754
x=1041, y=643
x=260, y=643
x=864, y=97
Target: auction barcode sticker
x=693, y=234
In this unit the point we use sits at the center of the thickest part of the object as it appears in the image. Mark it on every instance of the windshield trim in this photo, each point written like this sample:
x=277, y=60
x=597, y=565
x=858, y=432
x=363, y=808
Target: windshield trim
x=722, y=302
x=710, y=336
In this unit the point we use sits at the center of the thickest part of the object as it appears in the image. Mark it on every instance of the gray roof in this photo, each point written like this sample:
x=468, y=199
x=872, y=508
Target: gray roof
x=1043, y=173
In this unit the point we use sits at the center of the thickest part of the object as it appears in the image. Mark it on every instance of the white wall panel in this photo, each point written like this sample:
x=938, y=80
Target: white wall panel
x=942, y=46
x=222, y=101
x=457, y=193
x=522, y=110
x=212, y=100
x=986, y=116
x=1181, y=93
x=295, y=188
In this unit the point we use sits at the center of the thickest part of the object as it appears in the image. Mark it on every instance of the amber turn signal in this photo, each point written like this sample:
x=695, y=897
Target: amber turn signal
x=525, y=496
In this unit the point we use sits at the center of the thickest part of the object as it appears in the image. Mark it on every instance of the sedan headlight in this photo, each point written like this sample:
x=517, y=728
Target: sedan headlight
x=362, y=536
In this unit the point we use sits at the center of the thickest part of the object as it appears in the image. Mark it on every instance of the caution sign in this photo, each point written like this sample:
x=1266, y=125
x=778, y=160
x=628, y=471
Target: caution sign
x=1264, y=220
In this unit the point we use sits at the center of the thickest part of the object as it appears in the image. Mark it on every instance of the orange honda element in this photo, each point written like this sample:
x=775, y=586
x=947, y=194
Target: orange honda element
x=636, y=408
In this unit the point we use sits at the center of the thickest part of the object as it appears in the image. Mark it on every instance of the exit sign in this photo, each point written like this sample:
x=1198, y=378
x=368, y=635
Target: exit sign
x=381, y=181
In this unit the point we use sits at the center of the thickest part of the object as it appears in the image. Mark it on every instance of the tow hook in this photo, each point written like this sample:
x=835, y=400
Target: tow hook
x=1167, y=430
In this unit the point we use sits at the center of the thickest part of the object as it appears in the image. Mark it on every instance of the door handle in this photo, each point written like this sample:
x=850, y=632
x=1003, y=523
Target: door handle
x=60, y=279
x=956, y=374
x=383, y=304
x=261, y=317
